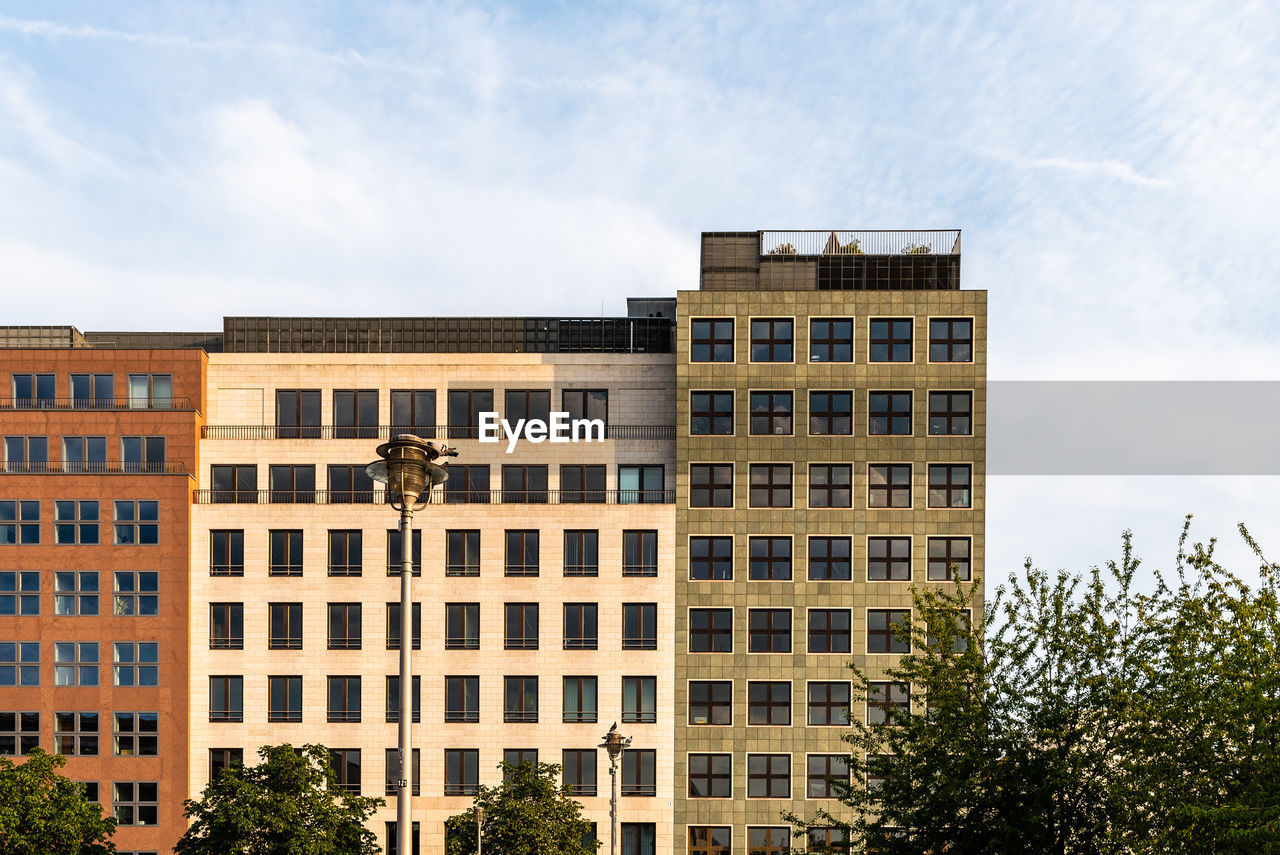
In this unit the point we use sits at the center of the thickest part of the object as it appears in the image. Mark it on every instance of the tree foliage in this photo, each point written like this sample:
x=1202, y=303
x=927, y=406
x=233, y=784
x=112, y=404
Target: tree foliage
x=1078, y=715
x=529, y=813
x=42, y=812
x=289, y=804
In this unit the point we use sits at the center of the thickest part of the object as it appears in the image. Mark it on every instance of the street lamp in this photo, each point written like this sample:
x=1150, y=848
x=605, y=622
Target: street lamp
x=479, y=812
x=409, y=470
x=614, y=743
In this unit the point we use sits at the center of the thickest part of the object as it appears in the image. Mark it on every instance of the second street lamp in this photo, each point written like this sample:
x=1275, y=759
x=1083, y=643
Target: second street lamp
x=409, y=470
x=614, y=743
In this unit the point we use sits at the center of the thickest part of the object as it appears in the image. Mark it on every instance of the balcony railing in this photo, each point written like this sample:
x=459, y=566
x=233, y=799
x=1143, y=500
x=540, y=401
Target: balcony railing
x=387, y=431
x=105, y=467
x=438, y=496
x=840, y=242
x=95, y=404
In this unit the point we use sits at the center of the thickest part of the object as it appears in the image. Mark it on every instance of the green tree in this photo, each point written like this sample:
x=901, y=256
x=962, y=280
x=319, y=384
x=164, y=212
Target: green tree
x=289, y=804
x=45, y=813
x=529, y=813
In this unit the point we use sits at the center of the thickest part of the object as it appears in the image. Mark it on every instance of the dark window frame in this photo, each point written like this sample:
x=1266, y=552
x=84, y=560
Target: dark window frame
x=771, y=412
x=950, y=413
x=711, y=410
x=889, y=559
x=828, y=341
x=773, y=340
x=770, y=485
x=712, y=339
x=890, y=412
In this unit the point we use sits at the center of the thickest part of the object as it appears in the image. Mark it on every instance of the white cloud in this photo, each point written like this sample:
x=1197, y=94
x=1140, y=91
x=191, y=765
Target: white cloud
x=1106, y=168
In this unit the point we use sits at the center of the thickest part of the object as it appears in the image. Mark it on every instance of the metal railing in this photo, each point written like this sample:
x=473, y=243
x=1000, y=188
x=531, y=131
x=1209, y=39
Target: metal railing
x=437, y=496
x=105, y=467
x=651, y=432
x=183, y=403
x=860, y=242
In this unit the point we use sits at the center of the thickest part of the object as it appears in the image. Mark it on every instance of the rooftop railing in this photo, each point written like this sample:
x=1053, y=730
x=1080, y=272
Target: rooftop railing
x=437, y=496
x=107, y=467
x=95, y=403
x=838, y=242
x=388, y=431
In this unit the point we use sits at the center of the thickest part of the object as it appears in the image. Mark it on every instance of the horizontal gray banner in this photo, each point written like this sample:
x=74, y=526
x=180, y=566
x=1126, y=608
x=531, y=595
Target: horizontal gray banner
x=1133, y=428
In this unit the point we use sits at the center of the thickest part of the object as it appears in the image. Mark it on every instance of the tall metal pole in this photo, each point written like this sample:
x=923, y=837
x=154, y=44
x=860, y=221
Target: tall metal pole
x=404, y=824
x=613, y=805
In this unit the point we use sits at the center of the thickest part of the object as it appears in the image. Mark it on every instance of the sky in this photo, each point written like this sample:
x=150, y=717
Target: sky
x=1115, y=168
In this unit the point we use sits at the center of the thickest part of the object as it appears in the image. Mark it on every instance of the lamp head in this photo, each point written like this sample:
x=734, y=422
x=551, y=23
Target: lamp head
x=408, y=468
x=615, y=742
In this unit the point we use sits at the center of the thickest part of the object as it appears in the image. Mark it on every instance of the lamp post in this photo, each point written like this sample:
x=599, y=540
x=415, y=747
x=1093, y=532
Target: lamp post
x=409, y=470
x=479, y=812
x=614, y=743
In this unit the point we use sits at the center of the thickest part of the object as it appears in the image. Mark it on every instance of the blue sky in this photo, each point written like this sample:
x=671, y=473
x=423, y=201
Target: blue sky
x=1115, y=168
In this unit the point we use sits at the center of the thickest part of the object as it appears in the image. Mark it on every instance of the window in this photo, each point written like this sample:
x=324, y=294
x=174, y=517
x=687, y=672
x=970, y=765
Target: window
x=769, y=703
x=770, y=485
x=889, y=559
x=524, y=484
x=463, y=412
x=20, y=733
x=639, y=626
x=710, y=776
x=297, y=413
x=710, y=630
x=393, y=842
x=346, y=768
x=462, y=626
x=772, y=339
x=393, y=698
x=413, y=411
x=829, y=631
x=226, y=626
x=639, y=700
x=135, y=734
x=580, y=626
x=710, y=840
x=521, y=626
x=19, y=521
x=461, y=771
x=520, y=699
x=586, y=404
x=527, y=404
x=26, y=453
x=355, y=413
x=152, y=391
x=392, y=765
x=950, y=340
x=768, y=841
x=711, y=558
x=75, y=592
x=518, y=757
x=831, y=840
x=142, y=453
x=769, y=630
x=582, y=553
x=889, y=414
x=75, y=663
x=75, y=734
x=768, y=776
x=579, y=700
x=467, y=485
x=639, y=772
x=950, y=413
x=137, y=522
x=522, y=553
x=889, y=631
x=461, y=698
x=344, y=698
x=349, y=485
x=233, y=484
x=226, y=698
x=879, y=766
x=824, y=772
x=284, y=626
x=226, y=552
x=830, y=485
x=829, y=559
x=75, y=521
x=284, y=552
x=91, y=795
x=84, y=453
x=639, y=553
x=293, y=484
x=711, y=702
x=639, y=485
x=93, y=391
x=888, y=703
x=20, y=663
x=889, y=485
x=395, y=554
x=891, y=340
x=137, y=593
x=949, y=485
x=711, y=413
x=393, y=626
x=462, y=552
x=136, y=802
x=771, y=413
x=639, y=838
x=222, y=759
x=711, y=340
x=710, y=485
x=284, y=698
x=949, y=559
x=346, y=552
x=344, y=626
x=831, y=340
x=582, y=484
x=829, y=704
x=580, y=771
x=957, y=631
x=34, y=390
x=135, y=663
